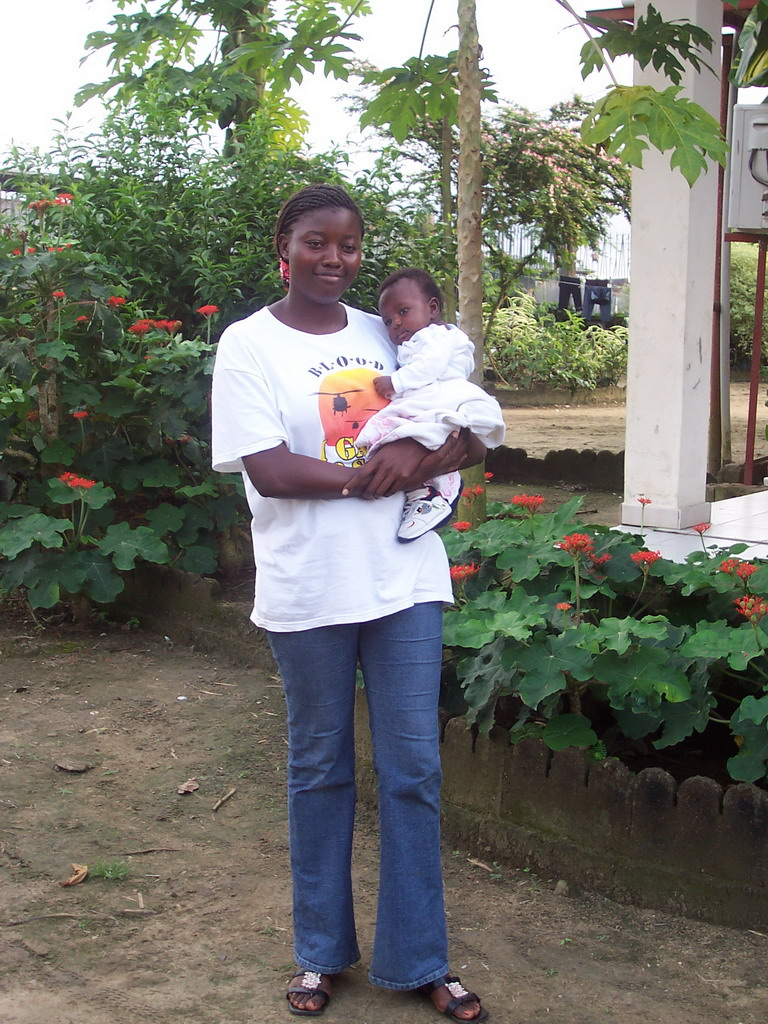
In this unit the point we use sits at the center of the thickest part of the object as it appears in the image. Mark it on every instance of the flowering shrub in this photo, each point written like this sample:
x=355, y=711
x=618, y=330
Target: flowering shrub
x=601, y=644
x=104, y=424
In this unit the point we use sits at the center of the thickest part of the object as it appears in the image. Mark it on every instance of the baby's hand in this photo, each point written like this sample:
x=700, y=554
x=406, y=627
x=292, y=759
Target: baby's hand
x=383, y=386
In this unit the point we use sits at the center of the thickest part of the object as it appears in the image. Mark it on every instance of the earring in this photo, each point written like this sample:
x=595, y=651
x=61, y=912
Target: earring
x=285, y=272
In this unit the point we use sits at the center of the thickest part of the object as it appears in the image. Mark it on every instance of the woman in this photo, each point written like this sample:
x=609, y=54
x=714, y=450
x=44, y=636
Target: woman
x=292, y=389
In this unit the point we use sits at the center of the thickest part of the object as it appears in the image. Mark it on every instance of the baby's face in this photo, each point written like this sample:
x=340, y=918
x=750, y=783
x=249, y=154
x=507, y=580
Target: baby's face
x=405, y=309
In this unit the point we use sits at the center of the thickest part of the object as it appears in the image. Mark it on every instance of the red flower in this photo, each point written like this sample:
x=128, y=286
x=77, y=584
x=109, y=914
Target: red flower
x=59, y=295
x=15, y=252
x=577, y=544
x=752, y=608
x=81, y=415
x=462, y=525
x=729, y=565
x=645, y=501
x=459, y=573
x=702, y=527
x=599, y=560
x=115, y=300
x=531, y=502
x=82, y=319
x=489, y=476
x=64, y=199
x=32, y=248
x=745, y=570
x=645, y=559
x=169, y=325
x=563, y=606
x=141, y=327
x=32, y=415
x=76, y=481
x=40, y=205
x=208, y=310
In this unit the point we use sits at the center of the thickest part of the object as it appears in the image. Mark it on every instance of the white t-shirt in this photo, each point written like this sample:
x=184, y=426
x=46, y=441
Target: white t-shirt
x=319, y=562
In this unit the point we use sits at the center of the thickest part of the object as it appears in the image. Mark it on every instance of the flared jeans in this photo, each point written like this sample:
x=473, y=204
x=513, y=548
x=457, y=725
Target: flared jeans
x=400, y=657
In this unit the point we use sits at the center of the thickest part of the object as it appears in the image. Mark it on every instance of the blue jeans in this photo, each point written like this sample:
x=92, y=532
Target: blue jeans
x=400, y=656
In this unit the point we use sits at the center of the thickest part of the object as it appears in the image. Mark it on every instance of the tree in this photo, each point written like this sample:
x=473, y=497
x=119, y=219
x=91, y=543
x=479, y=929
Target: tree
x=258, y=54
x=538, y=172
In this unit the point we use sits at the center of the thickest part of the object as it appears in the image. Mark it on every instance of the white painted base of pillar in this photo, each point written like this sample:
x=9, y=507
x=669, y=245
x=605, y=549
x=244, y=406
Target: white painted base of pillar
x=665, y=518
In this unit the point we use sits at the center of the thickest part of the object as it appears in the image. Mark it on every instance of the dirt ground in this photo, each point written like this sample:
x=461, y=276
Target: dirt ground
x=601, y=427
x=97, y=732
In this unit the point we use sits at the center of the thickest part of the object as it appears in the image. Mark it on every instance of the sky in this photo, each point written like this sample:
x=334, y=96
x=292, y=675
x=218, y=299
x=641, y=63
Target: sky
x=529, y=47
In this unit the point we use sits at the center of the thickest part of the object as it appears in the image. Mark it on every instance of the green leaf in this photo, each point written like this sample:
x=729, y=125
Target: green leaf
x=37, y=528
x=484, y=678
x=207, y=488
x=750, y=723
x=478, y=622
x=103, y=584
x=165, y=518
x=630, y=118
x=199, y=559
x=716, y=640
x=546, y=664
x=126, y=545
x=58, y=451
x=568, y=730
x=641, y=679
x=619, y=634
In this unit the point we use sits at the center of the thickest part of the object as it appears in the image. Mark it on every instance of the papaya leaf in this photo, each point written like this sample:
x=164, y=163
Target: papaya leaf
x=652, y=40
x=630, y=118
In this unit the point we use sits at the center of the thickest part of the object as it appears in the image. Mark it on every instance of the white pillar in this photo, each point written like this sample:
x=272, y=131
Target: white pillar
x=670, y=320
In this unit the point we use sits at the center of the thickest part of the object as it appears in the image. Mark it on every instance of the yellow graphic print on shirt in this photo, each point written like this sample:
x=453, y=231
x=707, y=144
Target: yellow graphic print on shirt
x=346, y=400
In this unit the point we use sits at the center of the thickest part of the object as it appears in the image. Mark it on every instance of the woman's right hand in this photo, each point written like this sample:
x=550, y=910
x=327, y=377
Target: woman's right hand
x=406, y=464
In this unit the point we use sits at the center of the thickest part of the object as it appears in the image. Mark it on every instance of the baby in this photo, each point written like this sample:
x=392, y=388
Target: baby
x=430, y=394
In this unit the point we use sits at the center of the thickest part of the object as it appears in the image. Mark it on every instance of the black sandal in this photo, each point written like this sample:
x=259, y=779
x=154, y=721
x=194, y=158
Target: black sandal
x=459, y=997
x=310, y=987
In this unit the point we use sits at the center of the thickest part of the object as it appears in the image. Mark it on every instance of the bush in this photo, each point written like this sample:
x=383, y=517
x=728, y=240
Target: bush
x=183, y=225
x=602, y=644
x=743, y=282
x=104, y=426
x=526, y=345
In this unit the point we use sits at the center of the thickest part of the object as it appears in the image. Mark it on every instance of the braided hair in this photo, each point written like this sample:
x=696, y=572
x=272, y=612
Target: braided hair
x=313, y=197
x=426, y=284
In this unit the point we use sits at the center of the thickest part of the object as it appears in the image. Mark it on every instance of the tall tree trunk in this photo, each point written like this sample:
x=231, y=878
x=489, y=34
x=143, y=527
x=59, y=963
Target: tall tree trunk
x=469, y=230
x=239, y=30
x=448, y=282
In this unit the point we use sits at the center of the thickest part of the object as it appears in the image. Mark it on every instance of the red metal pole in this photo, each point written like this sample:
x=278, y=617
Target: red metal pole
x=754, y=374
x=715, y=442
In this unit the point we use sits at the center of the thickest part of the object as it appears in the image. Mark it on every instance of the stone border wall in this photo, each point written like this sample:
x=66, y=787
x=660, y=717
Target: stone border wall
x=604, y=470
x=691, y=849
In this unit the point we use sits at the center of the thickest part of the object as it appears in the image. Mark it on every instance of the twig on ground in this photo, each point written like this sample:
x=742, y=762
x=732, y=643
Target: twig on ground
x=151, y=849
x=223, y=799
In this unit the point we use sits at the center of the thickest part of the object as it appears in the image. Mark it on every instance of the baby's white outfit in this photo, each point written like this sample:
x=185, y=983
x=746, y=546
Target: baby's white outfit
x=433, y=398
